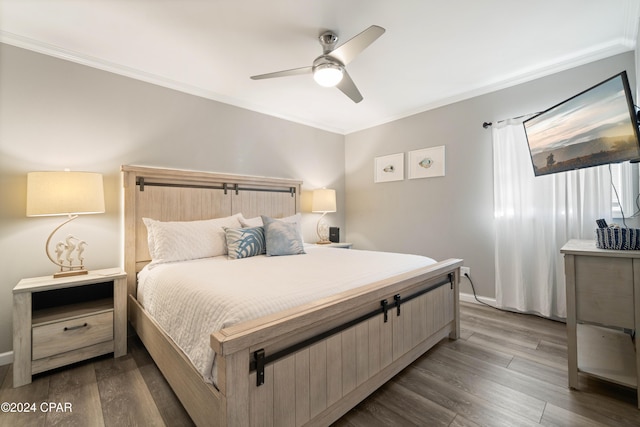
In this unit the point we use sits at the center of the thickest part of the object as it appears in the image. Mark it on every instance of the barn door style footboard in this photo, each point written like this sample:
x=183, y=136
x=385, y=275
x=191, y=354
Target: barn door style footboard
x=325, y=368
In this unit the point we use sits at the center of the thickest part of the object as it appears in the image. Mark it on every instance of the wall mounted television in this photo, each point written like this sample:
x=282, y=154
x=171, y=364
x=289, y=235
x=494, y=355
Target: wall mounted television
x=595, y=127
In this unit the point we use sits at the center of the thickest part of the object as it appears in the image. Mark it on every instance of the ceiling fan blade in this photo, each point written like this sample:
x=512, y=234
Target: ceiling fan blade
x=348, y=87
x=285, y=73
x=352, y=47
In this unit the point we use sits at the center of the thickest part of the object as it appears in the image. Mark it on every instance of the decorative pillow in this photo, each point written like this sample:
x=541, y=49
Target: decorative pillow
x=184, y=240
x=282, y=238
x=245, y=242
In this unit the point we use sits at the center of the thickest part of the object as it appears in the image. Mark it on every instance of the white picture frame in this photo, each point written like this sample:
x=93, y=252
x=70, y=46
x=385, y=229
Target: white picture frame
x=426, y=163
x=389, y=168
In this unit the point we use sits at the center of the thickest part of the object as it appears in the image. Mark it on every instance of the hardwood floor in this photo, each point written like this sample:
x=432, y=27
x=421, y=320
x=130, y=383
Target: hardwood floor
x=506, y=370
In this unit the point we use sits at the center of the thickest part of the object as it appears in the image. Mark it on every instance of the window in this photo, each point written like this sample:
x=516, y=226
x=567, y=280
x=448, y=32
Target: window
x=624, y=178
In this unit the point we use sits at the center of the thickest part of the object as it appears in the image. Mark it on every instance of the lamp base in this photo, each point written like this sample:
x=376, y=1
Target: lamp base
x=323, y=242
x=70, y=273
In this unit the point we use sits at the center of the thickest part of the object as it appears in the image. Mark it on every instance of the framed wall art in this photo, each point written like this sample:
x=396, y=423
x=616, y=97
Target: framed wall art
x=426, y=163
x=389, y=168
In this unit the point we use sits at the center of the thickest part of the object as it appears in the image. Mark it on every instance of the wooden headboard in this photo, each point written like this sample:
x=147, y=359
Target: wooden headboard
x=182, y=195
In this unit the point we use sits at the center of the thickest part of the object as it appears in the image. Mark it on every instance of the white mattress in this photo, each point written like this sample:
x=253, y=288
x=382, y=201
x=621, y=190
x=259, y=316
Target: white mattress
x=192, y=299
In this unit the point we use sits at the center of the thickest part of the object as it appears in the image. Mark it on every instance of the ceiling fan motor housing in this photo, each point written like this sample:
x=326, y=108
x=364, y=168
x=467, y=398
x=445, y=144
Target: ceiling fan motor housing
x=331, y=68
x=326, y=61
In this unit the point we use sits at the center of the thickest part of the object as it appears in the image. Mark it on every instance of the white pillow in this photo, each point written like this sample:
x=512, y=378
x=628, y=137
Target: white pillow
x=184, y=240
x=251, y=222
x=257, y=221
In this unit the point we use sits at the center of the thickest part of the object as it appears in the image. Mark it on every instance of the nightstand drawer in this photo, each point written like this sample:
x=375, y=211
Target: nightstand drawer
x=60, y=337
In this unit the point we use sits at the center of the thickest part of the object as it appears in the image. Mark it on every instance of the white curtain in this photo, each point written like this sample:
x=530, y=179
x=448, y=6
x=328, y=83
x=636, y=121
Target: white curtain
x=625, y=176
x=534, y=218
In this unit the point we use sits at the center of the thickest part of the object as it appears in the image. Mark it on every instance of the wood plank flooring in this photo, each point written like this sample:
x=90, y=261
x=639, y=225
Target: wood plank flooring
x=506, y=370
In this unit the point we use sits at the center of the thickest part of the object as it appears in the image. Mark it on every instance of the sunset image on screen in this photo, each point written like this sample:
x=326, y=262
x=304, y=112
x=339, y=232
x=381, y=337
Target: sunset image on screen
x=590, y=129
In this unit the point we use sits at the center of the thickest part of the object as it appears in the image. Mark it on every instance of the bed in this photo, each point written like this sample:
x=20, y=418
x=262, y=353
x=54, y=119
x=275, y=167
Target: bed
x=306, y=362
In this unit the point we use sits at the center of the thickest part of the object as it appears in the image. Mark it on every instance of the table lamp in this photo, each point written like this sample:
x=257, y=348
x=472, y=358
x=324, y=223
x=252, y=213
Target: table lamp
x=324, y=201
x=65, y=193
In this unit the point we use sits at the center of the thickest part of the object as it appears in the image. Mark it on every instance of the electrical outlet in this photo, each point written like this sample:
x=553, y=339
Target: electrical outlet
x=464, y=271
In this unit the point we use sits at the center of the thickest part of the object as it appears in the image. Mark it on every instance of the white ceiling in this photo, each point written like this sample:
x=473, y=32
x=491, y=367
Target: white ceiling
x=433, y=52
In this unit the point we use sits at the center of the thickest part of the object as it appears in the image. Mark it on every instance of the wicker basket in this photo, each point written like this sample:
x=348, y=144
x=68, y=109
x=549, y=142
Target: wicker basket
x=618, y=238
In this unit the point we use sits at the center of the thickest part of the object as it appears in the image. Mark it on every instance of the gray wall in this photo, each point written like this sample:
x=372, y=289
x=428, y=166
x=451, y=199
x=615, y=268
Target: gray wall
x=450, y=216
x=55, y=114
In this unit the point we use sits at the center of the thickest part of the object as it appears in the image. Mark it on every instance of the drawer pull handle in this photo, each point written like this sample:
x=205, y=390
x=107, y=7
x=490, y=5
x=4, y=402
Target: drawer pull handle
x=71, y=328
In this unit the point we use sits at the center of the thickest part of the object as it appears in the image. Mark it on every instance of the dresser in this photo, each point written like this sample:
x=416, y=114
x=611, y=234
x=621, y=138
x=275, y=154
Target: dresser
x=603, y=312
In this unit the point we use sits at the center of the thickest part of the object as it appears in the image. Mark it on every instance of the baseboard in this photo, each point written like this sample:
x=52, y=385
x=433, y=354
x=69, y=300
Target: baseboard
x=6, y=358
x=492, y=302
x=470, y=298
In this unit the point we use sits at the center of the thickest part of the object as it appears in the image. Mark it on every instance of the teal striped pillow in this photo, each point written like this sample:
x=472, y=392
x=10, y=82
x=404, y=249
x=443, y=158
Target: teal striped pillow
x=245, y=242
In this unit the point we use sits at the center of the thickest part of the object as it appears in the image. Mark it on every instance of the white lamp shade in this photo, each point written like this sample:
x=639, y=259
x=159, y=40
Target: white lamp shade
x=64, y=193
x=324, y=200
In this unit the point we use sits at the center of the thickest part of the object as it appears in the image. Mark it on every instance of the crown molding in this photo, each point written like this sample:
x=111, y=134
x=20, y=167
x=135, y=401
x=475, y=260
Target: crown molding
x=111, y=67
x=596, y=53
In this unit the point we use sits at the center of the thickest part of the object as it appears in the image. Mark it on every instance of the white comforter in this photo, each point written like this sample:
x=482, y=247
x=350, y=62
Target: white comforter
x=192, y=299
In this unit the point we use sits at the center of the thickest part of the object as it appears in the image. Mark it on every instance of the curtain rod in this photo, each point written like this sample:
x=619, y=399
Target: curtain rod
x=489, y=124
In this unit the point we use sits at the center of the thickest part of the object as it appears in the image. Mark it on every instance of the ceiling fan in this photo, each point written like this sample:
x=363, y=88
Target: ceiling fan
x=329, y=69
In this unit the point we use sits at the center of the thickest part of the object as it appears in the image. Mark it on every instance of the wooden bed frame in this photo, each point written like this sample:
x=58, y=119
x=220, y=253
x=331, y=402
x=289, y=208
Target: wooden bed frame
x=327, y=375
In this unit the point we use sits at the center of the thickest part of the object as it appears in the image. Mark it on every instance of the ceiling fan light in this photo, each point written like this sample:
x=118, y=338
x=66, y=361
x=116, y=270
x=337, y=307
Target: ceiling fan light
x=327, y=75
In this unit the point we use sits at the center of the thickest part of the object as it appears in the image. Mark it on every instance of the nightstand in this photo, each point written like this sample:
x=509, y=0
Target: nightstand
x=61, y=321
x=335, y=245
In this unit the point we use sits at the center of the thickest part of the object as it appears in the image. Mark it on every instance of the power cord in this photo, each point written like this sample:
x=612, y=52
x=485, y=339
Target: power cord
x=473, y=289
x=511, y=311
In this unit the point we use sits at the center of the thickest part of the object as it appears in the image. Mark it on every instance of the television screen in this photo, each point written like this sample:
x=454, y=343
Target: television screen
x=595, y=127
